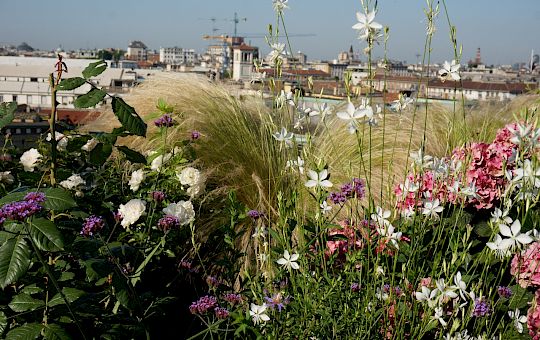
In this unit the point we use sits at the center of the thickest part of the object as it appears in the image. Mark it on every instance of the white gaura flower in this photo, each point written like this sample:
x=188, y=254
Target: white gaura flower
x=521, y=134
x=439, y=316
x=366, y=25
x=432, y=209
x=276, y=53
x=183, y=211
x=283, y=135
x=408, y=213
x=159, y=161
x=61, y=140
x=131, y=211
x=280, y=5
x=29, y=159
x=461, y=285
x=498, y=248
x=6, y=177
x=426, y=295
x=90, y=145
x=260, y=232
x=72, y=182
x=285, y=98
x=421, y=159
x=388, y=233
x=379, y=271
x=381, y=217
x=351, y=114
x=325, y=208
x=136, y=179
x=527, y=174
x=519, y=320
x=323, y=110
x=450, y=71
x=318, y=179
x=381, y=294
x=401, y=103
x=514, y=236
x=444, y=289
x=299, y=164
x=289, y=261
x=258, y=314
x=498, y=216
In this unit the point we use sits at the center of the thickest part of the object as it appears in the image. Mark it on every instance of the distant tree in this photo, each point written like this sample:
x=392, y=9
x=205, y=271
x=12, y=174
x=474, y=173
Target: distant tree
x=105, y=55
x=118, y=54
x=25, y=47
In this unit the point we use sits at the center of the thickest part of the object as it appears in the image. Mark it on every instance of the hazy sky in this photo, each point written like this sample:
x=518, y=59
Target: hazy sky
x=506, y=31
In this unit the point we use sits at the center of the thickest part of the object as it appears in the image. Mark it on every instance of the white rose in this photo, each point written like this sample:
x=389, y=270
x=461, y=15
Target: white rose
x=189, y=176
x=195, y=190
x=29, y=159
x=159, y=161
x=72, y=182
x=136, y=179
x=62, y=140
x=182, y=210
x=6, y=177
x=90, y=145
x=131, y=211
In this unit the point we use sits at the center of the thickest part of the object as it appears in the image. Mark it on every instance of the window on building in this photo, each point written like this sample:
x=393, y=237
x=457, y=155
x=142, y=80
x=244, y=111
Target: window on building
x=1, y=98
x=33, y=80
x=14, y=98
x=28, y=131
x=17, y=131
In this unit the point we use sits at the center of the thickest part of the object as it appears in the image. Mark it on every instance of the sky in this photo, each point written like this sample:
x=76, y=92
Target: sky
x=506, y=31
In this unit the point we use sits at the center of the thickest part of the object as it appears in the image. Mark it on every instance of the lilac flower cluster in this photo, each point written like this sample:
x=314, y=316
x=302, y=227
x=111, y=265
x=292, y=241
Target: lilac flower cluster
x=221, y=313
x=356, y=188
x=277, y=301
x=168, y=222
x=195, y=135
x=21, y=210
x=355, y=287
x=254, y=214
x=92, y=225
x=504, y=292
x=203, y=305
x=232, y=298
x=164, y=121
x=481, y=308
x=158, y=196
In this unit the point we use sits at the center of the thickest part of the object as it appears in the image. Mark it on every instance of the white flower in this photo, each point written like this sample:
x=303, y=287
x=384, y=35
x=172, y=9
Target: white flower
x=6, y=177
x=159, y=161
x=288, y=261
x=283, y=135
x=195, y=190
x=444, y=289
x=432, y=208
x=499, y=216
x=497, y=247
x=379, y=271
x=61, y=140
x=469, y=191
x=131, y=211
x=401, y=103
x=527, y=175
x=90, y=145
x=325, y=208
x=189, y=176
x=366, y=25
x=280, y=5
x=388, y=233
x=521, y=134
x=439, y=316
x=514, y=236
x=318, y=179
x=420, y=159
x=29, y=159
x=426, y=295
x=260, y=232
x=285, y=98
x=408, y=213
x=183, y=211
x=351, y=114
x=450, y=71
x=258, y=314
x=296, y=164
x=461, y=285
x=72, y=182
x=276, y=53
x=136, y=179
x=323, y=110
x=519, y=320
x=381, y=294
x=381, y=217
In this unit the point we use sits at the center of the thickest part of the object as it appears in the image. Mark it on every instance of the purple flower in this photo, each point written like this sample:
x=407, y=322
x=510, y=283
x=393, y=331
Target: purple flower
x=359, y=188
x=158, y=196
x=19, y=211
x=36, y=197
x=347, y=189
x=232, y=298
x=203, y=305
x=355, y=287
x=337, y=197
x=195, y=135
x=504, y=292
x=164, y=121
x=277, y=301
x=168, y=222
x=212, y=281
x=221, y=313
x=117, y=216
x=5, y=157
x=481, y=308
x=254, y=214
x=92, y=225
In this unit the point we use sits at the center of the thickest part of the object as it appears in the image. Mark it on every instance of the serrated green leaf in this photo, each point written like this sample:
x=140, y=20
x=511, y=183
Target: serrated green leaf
x=132, y=155
x=55, y=332
x=71, y=294
x=69, y=84
x=128, y=117
x=90, y=99
x=14, y=260
x=31, y=289
x=7, y=113
x=66, y=276
x=24, y=302
x=100, y=154
x=58, y=199
x=94, y=69
x=3, y=323
x=25, y=332
x=45, y=234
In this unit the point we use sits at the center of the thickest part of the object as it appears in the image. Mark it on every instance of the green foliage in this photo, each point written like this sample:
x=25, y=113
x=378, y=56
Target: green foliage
x=132, y=155
x=45, y=235
x=24, y=302
x=7, y=111
x=90, y=99
x=128, y=117
x=14, y=260
x=25, y=332
x=69, y=84
x=94, y=69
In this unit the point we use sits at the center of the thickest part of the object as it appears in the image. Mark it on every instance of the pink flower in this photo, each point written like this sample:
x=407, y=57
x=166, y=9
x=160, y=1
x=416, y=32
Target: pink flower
x=533, y=317
x=526, y=266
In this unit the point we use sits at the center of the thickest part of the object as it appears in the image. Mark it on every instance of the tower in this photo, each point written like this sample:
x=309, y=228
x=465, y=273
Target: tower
x=478, y=59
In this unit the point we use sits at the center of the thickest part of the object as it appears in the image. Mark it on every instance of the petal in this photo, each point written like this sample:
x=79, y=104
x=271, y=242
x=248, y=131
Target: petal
x=264, y=317
x=506, y=244
x=326, y=184
x=343, y=115
x=313, y=175
x=286, y=254
x=350, y=108
x=281, y=261
x=505, y=230
x=294, y=257
x=295, y=265
x=516, y=227
x=361, y=17
x=375, y=25
x=323, y=174
x=370, y=16
x=524, y=239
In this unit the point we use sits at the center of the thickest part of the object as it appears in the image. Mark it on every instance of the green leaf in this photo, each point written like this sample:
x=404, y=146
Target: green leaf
x=3, y=323
x=97, y=268
x=24, y=302
x=69, y=84
x=45, y=234
x=14, y=260
x=94, y=69
x=71, y=294
x=58, y=199
x=12, y=197
x=100, y=154
x=91, y=99
x=25, y=332
x=128, y=117
x=132, y=155
x=31, y=289
x=163, y=106
x=66, y=276
x=7, y=113
x=55, y=332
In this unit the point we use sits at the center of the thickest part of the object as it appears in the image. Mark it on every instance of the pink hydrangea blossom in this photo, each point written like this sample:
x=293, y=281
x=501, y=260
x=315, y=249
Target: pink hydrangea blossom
x=526, y=266
x=533, y=317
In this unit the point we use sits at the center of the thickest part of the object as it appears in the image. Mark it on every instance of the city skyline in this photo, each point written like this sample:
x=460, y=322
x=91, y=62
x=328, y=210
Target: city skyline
x=490, y=25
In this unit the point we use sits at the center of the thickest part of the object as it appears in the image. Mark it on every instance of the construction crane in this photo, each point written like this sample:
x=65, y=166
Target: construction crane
x=224, y=48
x=213, y=20
x=236, y=21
